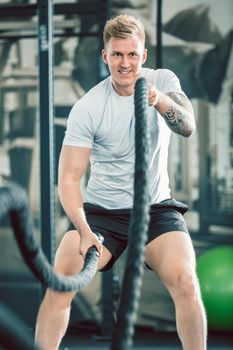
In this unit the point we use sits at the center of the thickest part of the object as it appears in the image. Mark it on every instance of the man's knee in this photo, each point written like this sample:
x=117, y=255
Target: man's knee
x=189, y=285
x=58, y=301
x=185, y=284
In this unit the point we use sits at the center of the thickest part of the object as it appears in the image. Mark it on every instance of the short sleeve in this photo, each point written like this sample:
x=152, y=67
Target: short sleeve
x=79, y=131
x=168, y=82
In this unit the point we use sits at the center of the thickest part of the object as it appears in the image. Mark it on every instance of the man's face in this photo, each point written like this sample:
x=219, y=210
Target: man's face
x=124, y=58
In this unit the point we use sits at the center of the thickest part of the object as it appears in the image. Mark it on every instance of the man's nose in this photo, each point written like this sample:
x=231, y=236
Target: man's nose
x=125, y=62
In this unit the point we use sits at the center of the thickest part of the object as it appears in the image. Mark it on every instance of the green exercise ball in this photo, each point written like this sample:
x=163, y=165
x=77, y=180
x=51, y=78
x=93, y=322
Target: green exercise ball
x=215, y=272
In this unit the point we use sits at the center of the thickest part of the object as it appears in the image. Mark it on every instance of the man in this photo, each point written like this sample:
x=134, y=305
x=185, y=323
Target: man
x=101, y=129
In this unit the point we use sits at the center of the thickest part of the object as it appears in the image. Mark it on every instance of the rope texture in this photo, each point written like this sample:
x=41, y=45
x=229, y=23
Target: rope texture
x=123, y=335
x=13, y=200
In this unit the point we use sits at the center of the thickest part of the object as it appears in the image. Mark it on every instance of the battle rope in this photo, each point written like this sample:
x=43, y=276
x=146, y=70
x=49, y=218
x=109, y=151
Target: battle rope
x=14, y=201
x=122, y=337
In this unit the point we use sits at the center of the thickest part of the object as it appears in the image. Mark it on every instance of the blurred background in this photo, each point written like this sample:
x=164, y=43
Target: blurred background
x=40, y=80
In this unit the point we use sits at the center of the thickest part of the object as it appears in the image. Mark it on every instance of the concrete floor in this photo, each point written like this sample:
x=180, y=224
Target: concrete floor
x=144, y=340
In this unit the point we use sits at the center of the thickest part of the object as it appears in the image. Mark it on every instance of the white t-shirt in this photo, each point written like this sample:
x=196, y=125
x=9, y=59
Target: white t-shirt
x=104, y=122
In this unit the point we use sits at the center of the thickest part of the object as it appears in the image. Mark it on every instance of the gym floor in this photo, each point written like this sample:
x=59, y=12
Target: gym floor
x=144, y=340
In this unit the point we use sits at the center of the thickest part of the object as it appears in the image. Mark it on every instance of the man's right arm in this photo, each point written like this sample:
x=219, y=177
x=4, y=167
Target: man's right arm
x=73, y=163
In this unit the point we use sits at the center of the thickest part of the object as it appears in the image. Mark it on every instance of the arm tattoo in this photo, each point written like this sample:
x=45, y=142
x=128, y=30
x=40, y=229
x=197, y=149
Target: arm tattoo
x=175, y=120
x=179, y=116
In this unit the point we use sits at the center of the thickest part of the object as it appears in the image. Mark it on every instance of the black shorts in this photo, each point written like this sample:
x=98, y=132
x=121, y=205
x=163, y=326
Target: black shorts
x=165, y=216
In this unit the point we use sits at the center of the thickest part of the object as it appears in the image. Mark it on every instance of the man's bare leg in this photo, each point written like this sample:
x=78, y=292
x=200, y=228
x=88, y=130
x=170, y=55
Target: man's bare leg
x=53, y=316
x=172, y=257
x=52, y=320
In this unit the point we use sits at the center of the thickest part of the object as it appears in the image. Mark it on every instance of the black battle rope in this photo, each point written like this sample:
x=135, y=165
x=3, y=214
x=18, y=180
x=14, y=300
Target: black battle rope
x=122, y=337
x=13, y=200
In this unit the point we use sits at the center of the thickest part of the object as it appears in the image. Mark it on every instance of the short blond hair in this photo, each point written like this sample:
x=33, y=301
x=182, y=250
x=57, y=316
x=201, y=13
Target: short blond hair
x=122, y=27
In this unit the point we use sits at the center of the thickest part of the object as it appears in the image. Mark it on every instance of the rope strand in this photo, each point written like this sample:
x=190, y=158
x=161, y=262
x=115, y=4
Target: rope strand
x=123, y=335
x=14, y=201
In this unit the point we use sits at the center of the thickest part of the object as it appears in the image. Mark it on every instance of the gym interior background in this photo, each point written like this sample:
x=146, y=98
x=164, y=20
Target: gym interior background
x=37, y=90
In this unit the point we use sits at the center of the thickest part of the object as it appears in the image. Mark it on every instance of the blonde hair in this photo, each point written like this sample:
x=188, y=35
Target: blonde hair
x=122, y=27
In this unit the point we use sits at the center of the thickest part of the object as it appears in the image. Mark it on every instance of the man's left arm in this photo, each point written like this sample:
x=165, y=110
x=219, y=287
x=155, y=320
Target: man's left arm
x=175, y=108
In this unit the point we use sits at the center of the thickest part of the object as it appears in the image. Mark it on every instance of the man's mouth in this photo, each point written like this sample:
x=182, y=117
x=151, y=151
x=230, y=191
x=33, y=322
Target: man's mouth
x=125, y=71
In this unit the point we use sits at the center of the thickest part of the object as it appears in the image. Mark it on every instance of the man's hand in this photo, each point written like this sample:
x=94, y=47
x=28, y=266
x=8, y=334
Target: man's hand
x=153, y=95
x=87, y=240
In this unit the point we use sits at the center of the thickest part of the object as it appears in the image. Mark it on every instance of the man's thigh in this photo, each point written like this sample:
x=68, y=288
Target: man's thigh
x=169, y=254
x=68, y=260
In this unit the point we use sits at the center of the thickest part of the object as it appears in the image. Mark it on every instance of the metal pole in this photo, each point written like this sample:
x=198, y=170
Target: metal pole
x=159, y=35
x=103, y=15
x=204, y=161
x=107, y=276
x=47, y=177
x=90, y=7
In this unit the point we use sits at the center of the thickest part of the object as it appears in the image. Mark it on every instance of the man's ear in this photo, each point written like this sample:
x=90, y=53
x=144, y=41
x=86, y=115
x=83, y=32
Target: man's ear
x=104, y=56
x=144, y=56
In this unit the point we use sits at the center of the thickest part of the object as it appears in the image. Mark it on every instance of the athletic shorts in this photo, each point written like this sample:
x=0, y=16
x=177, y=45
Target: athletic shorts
x=113, y=224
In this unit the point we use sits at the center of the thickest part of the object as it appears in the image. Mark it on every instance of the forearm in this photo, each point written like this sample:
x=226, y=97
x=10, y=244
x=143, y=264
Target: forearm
x=180, y=119
x=72, y=202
